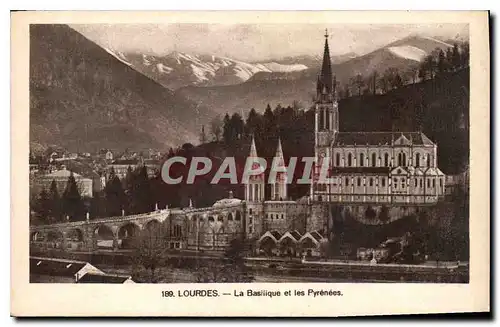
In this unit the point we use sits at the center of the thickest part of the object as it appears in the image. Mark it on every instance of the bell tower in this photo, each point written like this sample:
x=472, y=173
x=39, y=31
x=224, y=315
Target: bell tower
x=279, y=186
x=254, y=189
x=326, y=117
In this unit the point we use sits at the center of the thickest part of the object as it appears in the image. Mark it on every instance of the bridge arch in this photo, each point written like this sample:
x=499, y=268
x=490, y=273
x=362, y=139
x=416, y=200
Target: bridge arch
x=55, y=239
x=74, y=235
x=152, y=224
x=103, y=236
x=37, y=236
x=127, y=234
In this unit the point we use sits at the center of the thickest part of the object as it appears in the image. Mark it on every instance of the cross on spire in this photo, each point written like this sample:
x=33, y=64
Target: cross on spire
x=326, y=33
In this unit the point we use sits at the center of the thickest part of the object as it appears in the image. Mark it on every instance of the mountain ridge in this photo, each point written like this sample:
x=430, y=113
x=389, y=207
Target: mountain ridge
x=282, y=88
x=82, y=98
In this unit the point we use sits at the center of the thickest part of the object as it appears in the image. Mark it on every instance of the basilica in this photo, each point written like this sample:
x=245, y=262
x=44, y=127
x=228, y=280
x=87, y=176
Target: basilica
x=392, y=170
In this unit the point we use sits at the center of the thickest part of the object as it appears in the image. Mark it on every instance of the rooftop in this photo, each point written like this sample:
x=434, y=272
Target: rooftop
x=381, y=138
x=55, y=267
x=105, y=279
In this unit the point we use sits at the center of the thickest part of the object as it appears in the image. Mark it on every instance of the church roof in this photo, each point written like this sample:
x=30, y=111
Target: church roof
x=380, y=138
x=360, y=170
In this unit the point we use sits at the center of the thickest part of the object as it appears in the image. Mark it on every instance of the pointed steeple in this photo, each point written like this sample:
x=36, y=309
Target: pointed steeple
x=280, y=163
x=325, y=76
x=253, y=149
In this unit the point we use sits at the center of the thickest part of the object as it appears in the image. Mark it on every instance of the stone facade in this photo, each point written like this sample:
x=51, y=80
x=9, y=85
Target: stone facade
x=369, y=167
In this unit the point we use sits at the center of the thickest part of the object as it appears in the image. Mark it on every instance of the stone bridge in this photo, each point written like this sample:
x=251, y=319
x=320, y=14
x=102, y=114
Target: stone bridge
x=209, y=228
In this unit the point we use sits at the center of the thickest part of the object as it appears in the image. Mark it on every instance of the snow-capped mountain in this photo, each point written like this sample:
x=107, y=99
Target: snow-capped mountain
x=273, y=88
x=179, y=69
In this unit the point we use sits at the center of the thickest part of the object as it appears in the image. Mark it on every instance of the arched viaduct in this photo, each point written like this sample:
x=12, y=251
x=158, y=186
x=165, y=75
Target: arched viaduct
x=209, y=228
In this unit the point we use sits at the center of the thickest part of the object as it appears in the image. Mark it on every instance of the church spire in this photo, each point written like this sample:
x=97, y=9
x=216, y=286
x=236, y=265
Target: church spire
x=253, y=149
x=325, y=76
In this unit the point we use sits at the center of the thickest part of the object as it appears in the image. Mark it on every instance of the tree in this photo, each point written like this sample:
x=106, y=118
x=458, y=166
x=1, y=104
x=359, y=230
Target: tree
x=455, y=57
x=232, y=269
x=269, y=123
x=427, y=68
x=42, y=207
x=253, y=122
x=227, y=129
x=216, y=128
x=55, y=203
x=347, y=92
x=441, y=62
x=358, y=82
x=150, y=248
x=237, y=127
x=464, y=54
x=383, y=83
x=203, y=136
x=71, y=199
x=449, y=58
x=372, y=82
x=142, y=199
x=115, y=195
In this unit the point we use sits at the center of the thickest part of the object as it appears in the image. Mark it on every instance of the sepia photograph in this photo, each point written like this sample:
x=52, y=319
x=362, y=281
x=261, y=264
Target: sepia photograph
x=180, y=152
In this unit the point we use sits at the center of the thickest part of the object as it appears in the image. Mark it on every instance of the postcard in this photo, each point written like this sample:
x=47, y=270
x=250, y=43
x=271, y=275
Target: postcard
x=250, y=163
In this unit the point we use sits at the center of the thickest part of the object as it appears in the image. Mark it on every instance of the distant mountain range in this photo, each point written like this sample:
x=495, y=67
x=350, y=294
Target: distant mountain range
x=179, y=69
x=83, y=99
x=284, y=87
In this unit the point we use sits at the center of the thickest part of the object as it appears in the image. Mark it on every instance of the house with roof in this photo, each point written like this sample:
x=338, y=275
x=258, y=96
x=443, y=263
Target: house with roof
x=85, y=185
x=52, y=270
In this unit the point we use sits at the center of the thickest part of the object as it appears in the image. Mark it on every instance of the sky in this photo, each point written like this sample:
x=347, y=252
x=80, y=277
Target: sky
x=253, y=42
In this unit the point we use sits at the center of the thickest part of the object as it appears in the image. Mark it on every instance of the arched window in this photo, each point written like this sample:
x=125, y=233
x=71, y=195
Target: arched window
x=383, y=181
x=404, y=159
x=374, y=160
x=417, y=160
x=230, y=216
x=386, y=160
x=349, y=160
x=337, y=160
x=359, y=181
x=428, y=160
x=327, y=121
x=256, y=190
x=238, y=216
x=346, y=181
x=321, y=120
x=220, y=218
x=177, y=231
x=361, y=159
x=371, y=181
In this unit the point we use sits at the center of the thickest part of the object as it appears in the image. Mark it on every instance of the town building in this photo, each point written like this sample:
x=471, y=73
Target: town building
x=85, y=185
